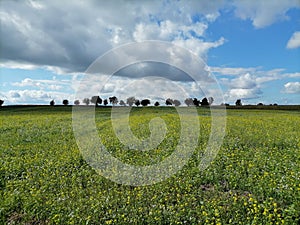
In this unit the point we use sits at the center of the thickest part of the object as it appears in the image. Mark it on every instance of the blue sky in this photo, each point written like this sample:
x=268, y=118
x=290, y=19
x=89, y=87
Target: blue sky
x=251, y=47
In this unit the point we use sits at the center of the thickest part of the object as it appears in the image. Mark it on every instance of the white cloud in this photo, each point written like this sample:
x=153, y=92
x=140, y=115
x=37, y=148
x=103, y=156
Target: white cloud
x=264, y=13
x=36, y=5
x=259, y=75
x=240, y=93
x=292, y=88
x=198, y=46
x=249, y=83
x=14, y=94
x=183, y=35
x=28, y=96
x=36, y=34
x=294, y=41
x=18, y=65
x=232, y=70
x=41, y=84
x=246, y=81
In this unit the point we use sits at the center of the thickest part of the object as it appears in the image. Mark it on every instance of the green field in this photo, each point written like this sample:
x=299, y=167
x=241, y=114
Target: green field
x=255, y=178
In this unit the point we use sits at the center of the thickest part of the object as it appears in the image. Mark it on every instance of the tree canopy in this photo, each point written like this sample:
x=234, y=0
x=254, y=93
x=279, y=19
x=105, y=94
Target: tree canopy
x=145, y=102
x=96, y=100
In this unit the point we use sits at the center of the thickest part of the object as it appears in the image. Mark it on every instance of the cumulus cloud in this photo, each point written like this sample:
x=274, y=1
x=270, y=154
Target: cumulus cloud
x=292, y=88
x=14, y=94
x=41, y=84
x=69, y=36
x=249, y=83
x=244, y=86
x=158, y=69
x=294, y=41
x=264, y=13
x=231, y=71
x=198, y=46
x=245, y=81
x=29, y=96
x=239, y=93
x=260, y=76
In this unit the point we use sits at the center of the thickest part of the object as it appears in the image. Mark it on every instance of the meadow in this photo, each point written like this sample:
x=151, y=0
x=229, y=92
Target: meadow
x=255, y=178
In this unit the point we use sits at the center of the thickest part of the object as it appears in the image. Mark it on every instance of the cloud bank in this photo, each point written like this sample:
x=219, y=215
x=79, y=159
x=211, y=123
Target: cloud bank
x=69, y=36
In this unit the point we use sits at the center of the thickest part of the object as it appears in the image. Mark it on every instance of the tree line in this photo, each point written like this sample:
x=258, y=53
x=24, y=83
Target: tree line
x=131, y=101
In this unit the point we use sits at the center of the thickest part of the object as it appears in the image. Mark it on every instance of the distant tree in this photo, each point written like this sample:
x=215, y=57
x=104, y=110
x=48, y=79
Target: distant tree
x=105, y=102
x=96, y=100
x=210, y=100
x=113, y=100
x=145, y=102
x=86, y=101
x=122, y=103
x=65, y=102
x=260, y=103
x=226, y=104
x=156, y=104
x=196, y=102
x=204, y=102
x=52, y=102
x=169, y=101
x=189, y=101
x=130, y=101
x=176, y=102
x=275, y=104
x=76, y=102
x=137, y=102
x=238, y=102
x=1, y=102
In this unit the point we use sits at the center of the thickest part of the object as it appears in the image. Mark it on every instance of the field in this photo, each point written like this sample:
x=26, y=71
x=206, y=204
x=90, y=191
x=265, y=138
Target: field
x=255, y=178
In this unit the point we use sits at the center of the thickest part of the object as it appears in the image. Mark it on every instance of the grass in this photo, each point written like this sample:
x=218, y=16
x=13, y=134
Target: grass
x=255, y=179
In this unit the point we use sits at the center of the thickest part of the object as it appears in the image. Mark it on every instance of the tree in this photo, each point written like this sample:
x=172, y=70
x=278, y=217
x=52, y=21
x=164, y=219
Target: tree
x=145, y=102
x=176, y=102
x=224, y=104
x=156, y=103
x=130, y=101
x=1, y=102
x=204, y=102
x=105, y=102
x=96, y=100
x=52, y=103
x=65, y=102
x=76, y=102
x=86, y=101
x=169, y=101
x=188, y=101
x=210, y=100
x=260, y=103
x=196, y=102
x=238, y=102
x=122, y=103
x=113, y=100
x=137, y=102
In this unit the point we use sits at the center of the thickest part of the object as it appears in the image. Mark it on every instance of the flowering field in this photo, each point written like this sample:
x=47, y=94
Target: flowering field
x=255, y=178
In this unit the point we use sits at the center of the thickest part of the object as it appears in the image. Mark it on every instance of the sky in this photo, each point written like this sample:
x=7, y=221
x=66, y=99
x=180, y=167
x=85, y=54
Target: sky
x=251, y=48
